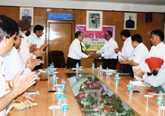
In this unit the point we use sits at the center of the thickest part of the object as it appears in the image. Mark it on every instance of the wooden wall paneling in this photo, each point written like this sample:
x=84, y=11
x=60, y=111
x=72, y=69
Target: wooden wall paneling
x=3, y=10
x=141, y=28
x=12, y=12
x=80, y=16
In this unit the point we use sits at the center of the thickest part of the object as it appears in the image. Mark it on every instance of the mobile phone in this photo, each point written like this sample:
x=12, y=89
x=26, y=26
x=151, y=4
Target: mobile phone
x=136, y=91
x=33, y=92
x=51, y=91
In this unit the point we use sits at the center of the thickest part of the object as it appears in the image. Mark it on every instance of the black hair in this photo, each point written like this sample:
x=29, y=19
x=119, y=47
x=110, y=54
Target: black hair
x=8, y=27
x=159, y=33
x=78, y=33
x=125, y=33
x=109, y=32
x=38, y=27
x=137, y=37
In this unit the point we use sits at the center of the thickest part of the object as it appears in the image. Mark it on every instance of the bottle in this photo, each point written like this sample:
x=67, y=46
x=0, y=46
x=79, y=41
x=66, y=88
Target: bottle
x=100, y=70
x=59, y=95
x=64, y=106
x=63, y=84
x=93, y=67
x=48, y=72
x=160, y=99
x=93, y=78
x=130, y=88
x=107, y=74
x=54, y=79
x=49, y=80
x=77, y=76
x=52, y=67
x=116, y=79
x=77, y=67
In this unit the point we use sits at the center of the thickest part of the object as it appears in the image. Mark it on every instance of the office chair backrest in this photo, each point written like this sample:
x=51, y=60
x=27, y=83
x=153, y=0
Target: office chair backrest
x=57, y=57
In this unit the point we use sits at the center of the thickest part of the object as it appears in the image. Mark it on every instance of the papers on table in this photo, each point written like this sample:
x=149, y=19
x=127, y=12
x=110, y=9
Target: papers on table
x=138, y=83
x=24, y=105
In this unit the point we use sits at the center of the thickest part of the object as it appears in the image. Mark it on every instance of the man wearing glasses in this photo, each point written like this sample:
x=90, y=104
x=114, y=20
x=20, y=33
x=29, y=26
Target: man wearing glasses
x=107, y=51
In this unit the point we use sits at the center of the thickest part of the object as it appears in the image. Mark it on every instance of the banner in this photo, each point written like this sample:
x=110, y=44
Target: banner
x=95, y=38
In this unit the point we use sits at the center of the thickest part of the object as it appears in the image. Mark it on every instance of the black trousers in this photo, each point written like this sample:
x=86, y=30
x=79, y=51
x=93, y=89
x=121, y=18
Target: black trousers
x=71, y=63
x=128, y=69
x=110, y=63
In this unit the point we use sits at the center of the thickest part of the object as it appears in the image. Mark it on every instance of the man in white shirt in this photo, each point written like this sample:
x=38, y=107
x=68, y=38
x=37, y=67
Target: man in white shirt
x=35, y=38
x=14, y=63
x=158, y=48
x=25, y=52
x=127, y=51
x=21, y=82
x=76, y=51
x=107, y=51
x=140, y=54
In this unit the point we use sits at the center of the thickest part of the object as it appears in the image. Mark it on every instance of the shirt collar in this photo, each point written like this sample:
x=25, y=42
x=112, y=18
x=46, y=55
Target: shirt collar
x=161, y=43
x=35, y=36
x=110, y=40
x=139, y=45
x=128, y=39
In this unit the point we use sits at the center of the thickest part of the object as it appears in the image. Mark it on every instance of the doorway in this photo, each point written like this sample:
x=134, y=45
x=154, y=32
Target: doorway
x=60, y=34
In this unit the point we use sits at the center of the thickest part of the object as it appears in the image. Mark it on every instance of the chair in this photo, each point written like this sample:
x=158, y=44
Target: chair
x=57, y=57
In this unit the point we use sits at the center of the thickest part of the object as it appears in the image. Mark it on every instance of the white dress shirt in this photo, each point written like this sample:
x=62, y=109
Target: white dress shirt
x=158, y=51
x=24, y=49
x=33, y=39
x=13, y=64
x=140, y=54
x=2, y=85
x=75, y=51
x=127, y=49
x=107, y=51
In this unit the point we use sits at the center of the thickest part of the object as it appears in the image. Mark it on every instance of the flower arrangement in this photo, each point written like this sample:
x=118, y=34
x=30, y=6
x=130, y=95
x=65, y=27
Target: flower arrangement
x=85, y=47
x=94, y=100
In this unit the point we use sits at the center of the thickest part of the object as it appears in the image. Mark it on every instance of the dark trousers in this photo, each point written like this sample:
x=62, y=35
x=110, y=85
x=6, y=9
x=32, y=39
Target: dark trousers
x=39, y=66
x=128, y=69
x=110, y=63
x=71, y=63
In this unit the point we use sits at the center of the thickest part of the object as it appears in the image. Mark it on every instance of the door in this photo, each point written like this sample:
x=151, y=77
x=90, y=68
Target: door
x=60, y=35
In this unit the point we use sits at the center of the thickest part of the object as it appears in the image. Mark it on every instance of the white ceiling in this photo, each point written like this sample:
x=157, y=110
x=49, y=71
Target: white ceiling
x=149, y=2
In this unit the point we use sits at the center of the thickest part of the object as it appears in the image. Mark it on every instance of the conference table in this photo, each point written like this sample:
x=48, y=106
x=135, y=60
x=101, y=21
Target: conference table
x=137, y=102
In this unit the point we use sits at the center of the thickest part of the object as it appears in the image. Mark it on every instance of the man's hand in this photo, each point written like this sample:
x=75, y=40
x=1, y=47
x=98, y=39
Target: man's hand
x=95, y=55
x=138, y=72
x=116, y=50
x=44, y=46
x=90, y=55
x=124, y=61
x=24, y=97
x=32, y=48
x=31, y=63
x=21, y=82
x=38, y=52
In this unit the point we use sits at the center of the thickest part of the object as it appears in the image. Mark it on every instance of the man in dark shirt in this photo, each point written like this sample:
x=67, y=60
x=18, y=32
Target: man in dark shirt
x=130, y=23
